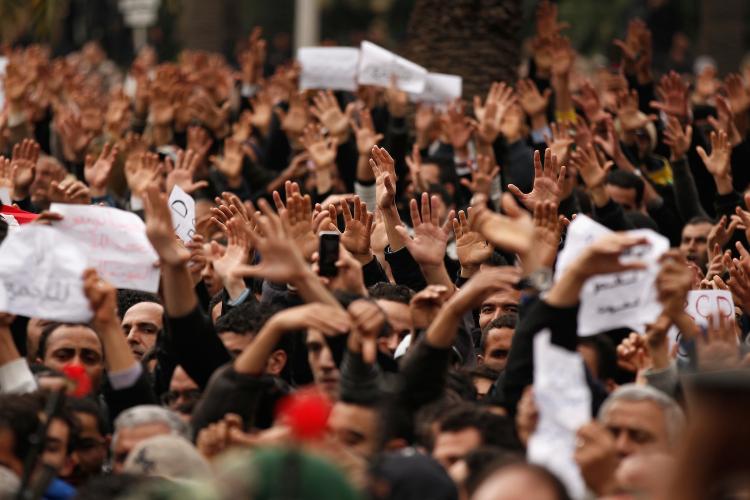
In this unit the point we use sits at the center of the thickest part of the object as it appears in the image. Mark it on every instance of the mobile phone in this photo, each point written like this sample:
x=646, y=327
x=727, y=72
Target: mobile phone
x=328, y=253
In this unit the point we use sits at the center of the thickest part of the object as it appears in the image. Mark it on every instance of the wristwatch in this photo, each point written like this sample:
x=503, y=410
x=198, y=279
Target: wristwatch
x=538, y=281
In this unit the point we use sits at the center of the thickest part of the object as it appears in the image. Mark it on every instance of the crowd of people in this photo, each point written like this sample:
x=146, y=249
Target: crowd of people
x=403, y=368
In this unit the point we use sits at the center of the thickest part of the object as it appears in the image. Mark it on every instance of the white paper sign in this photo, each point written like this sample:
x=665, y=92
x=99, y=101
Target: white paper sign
x=564, y=403
x=41, y=275
x=704, y=304
x=617, y=300
x=114, y=242
x=377, y=66
x=328, y=68
x=5, y=196
x=182, y=207
x=439, y=88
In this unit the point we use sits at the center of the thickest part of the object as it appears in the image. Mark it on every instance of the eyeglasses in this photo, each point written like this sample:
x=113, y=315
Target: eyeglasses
x=171, y=397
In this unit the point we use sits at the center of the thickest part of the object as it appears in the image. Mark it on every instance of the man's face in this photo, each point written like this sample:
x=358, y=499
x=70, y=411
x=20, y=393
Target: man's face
x=127, y=439
x=47, y=170
x=637, y=426
x=141, y=324
x=75, y=344
x=33, y=333
x=56, y=445
x=399, y=317
x=324, y=370
x=355, y=427
x=694, y=243
x=90, y=452
x=183, y=393
x=497, y=304
x=235, y=342
x=512, y=483
x=624, y=196
x=7, y=456
x=452, y=446
x=496, y=347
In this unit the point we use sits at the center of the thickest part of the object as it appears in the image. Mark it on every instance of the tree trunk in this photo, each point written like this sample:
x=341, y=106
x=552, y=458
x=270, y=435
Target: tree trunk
x=476, y=39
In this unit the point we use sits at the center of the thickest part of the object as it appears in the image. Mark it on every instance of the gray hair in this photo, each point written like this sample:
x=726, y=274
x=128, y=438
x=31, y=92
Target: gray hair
x=674, y=417
x=150, y=414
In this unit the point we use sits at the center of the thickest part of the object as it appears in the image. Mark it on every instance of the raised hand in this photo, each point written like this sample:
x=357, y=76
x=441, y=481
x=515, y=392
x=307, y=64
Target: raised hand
x=230, y=165
x=592, y=171
x=73, y=137
x=548, y=181
x=597, y=458
x=365, y=133
x=199, y=142
x=159, y=228
x=326, y=109
x=499, y=99
x=367, y=322
x=280, y=261
x=725, y=121
x=96, y=172
x=547, y=231
x=6, y=174
x=322, y=150
x=102, y=298
x=673, y=96
x=737, y=93
x=414, y=163
x=293, y=122
x=262, y=111
x=430, y=239
x=603, y=256
x=717, y=163
x=717, y=349
x=563, y=56
x=456, y=126
x=560, y=142
x=357, y=230
x=677, y=138
x=182, y=173
x=426, y=303
x=627, y=111
x=384, y=170
x=237, y=253
x=23, y=167
x=531, y=100
x=739, y=277
x=69, y=190
x=297, y=217
x=471, y=247
x=589, y=102
x=513, y=232
x=482, y=175
x=141, y=171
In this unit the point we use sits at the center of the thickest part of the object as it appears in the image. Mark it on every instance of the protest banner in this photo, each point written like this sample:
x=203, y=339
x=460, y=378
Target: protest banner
x=182, y=208
x=439, y=88
x=114, y=242
x=42, y=275
x=617, y=300
x=328, y=68
x=564, y=402
x=378, y=66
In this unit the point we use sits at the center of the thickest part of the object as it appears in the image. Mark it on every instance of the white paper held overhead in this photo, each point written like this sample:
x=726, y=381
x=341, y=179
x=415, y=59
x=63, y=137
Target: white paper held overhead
x=439, y=88
x=182, y=208
x=618, y=300
x=114, y=242
x=378, y=66
x=42, y=275
x=564, y=403
x=328, y=68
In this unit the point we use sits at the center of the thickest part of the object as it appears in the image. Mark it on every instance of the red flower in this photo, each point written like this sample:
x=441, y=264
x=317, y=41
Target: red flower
x=306, y=412
x=80, y=381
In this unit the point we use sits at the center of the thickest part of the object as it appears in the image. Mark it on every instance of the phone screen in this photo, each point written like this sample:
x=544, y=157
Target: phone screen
x=328, y=253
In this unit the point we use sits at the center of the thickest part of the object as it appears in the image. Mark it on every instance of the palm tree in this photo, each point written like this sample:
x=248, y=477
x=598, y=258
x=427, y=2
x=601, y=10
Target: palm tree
x=476, y=39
